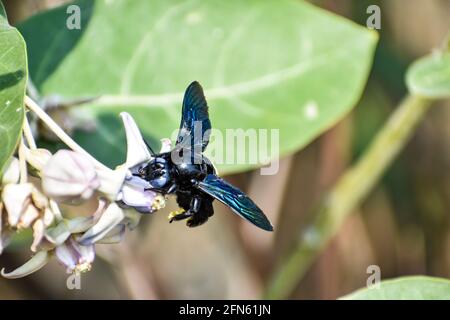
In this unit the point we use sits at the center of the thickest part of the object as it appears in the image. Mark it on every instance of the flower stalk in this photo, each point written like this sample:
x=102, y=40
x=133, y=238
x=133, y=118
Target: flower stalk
x=22, y=162
x=28, y=134
x=52, y=125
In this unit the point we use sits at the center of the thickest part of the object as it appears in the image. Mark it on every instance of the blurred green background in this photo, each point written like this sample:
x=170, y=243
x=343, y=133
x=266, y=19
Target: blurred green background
x=403, y=226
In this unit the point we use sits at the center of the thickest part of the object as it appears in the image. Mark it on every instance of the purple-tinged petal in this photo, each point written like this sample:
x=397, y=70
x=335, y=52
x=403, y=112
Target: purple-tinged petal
x=67, y=256
x=76, y=257
x=134, y=195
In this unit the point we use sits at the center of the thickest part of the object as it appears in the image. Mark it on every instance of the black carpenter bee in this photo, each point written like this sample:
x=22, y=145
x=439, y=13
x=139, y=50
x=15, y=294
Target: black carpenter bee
x=187, y=173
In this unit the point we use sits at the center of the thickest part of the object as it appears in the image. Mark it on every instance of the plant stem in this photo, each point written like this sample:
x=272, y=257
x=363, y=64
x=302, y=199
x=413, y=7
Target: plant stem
x=28, y=134
x=22, y=163
x=33, y=106
x=347, y=193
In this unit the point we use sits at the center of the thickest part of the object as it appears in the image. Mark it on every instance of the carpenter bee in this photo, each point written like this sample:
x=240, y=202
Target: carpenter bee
x=187, y=173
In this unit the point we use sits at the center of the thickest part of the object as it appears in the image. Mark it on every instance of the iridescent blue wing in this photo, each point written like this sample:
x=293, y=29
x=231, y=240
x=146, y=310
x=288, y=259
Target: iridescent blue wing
x=238, y=201
x=195, y=126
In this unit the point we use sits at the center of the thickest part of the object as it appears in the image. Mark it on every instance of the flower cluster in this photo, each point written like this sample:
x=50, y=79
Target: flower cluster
x=35, y=184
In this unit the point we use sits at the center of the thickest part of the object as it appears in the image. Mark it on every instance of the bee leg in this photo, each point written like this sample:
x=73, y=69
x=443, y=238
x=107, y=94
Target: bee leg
x=198, y=217
x=178, y=215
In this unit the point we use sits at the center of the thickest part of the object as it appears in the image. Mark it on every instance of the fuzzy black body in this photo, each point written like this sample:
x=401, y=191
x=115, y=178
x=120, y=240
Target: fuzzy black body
x=181, y=179
x=187, y=173
x=187, y=176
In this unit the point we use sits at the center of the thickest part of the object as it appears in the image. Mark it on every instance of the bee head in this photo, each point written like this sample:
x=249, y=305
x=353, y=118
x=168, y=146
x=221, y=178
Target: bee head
x=157, y=173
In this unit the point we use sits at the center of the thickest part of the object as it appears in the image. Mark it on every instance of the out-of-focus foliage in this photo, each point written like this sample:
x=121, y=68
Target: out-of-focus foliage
x=13, y=76
x=430, y=76
x=264, y=64
x=405, y=288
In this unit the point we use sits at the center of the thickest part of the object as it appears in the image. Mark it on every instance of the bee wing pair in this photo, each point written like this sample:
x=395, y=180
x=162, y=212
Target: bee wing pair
x=194, y=135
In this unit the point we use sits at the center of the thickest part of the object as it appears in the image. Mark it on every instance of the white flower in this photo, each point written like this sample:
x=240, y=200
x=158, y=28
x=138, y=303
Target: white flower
x=5, y=233
x=76, y=257
x=17, y=199
x=24, y=207
x=12, y=172
x=72, y=176
x=131, y=192
x=75, y=176
x=69, y=176
x=21, y=206
x=112, y=216
x=61, y=240
x=137, y=151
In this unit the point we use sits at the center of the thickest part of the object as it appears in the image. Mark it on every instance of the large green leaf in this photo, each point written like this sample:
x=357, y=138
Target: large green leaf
x=12, y=87
x=270, y=64
x=430, y=76
x=406, y=288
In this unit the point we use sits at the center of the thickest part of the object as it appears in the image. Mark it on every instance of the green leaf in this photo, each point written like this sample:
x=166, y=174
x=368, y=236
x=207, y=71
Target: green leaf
x=13, y=75
x=270, y=64
x=430, y=76
x=406, y=288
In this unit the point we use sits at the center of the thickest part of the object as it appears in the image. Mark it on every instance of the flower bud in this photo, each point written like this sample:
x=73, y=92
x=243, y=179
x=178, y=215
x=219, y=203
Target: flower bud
x=69, y=176
x=12, y=172
x=16, y=198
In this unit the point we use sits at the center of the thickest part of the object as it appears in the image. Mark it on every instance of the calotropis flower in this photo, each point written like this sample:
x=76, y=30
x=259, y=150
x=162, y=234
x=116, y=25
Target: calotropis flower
x=69, y=176
x=74, y=176
x=22, y=206
x=60, y=240
x=63, y=241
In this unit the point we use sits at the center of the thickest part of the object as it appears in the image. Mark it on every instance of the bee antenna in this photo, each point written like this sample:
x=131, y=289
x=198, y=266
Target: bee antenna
x=150, y=148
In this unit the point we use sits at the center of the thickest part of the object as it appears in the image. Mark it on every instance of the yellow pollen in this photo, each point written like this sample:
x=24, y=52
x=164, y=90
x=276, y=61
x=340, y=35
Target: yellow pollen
x=158, y=203
x=175, y=213
x=82, y=267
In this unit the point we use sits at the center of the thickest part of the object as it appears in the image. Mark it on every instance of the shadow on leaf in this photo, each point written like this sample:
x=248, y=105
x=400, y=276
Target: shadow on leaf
x=10, y=79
